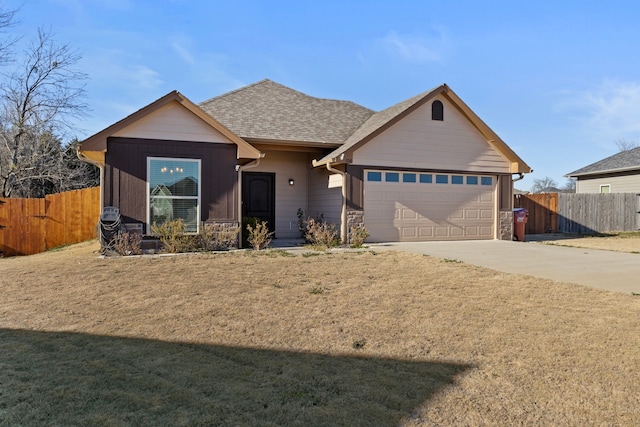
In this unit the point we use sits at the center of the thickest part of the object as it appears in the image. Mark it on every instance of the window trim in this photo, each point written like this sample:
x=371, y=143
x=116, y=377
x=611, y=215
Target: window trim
x=605, y=186
x=198, y=198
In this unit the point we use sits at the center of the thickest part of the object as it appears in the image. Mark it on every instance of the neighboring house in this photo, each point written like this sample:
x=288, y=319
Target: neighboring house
x=619, y=173
x=425, y=169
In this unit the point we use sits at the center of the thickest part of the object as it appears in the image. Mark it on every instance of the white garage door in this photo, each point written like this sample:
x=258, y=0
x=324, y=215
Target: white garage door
x=410, y=206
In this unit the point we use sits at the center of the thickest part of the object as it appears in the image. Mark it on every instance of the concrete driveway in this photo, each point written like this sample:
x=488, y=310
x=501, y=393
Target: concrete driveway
x=613, y=271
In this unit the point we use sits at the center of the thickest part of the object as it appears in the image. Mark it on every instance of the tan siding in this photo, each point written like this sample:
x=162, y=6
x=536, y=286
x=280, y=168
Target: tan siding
x=324, y=200
x=619, y=184
x=172, y=122
x=419, y=142
x=287, y=165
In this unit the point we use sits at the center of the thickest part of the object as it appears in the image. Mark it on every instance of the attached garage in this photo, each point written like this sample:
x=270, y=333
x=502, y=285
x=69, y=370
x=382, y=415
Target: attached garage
x=422, y=206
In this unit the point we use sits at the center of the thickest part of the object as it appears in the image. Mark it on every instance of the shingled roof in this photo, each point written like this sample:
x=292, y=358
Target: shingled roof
x=623, y=161
x=268, y=111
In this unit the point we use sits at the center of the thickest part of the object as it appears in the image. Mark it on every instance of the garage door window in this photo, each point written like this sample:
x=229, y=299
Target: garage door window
x=486, y=180
x=457, y=179
x=472, y=180
x=426, y=178
x=442, y=179
x=408, y=177
x=392, y=177
x=374, y=176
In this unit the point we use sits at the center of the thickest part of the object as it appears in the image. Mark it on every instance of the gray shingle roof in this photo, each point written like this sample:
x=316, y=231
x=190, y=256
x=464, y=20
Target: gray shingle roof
x=624, y=160
x=269, y=111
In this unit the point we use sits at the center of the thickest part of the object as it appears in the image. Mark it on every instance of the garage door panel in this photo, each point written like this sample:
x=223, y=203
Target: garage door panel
x=472, y=214
x=429, y=211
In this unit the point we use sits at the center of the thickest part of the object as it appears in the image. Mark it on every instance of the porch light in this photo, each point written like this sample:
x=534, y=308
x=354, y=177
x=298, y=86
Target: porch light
x=291, y=181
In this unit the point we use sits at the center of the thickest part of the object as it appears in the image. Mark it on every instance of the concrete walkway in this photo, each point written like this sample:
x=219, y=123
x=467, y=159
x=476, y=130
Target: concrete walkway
x=613, y=271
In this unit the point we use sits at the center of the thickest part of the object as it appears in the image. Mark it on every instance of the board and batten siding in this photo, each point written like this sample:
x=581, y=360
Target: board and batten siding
x=629, y=183
x=125, y=176
x=287, y=165
x=416, y=141
x=172, y=122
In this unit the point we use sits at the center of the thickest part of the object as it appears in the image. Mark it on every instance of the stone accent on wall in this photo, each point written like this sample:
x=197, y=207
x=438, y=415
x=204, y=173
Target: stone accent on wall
x=355, y=218
x=506, y=225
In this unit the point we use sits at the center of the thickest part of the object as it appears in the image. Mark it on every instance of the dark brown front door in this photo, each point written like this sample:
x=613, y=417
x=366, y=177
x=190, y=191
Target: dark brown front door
x=259, y=197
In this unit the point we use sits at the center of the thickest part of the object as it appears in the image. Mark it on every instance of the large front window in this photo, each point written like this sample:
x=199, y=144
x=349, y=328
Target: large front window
x=174, y=191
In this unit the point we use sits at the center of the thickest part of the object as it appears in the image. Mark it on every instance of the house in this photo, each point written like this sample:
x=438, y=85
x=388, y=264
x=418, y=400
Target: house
x=619, y=173
x=427, y=168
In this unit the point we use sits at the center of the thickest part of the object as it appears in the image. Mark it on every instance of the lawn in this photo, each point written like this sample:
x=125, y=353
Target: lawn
x=345, y=338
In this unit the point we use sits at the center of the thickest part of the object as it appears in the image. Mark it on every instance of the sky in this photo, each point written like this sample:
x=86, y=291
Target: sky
x=558, y=81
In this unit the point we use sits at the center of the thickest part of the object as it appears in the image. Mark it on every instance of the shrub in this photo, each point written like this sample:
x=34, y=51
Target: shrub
x=126, y=243
x=172, y=236
x=216, y=237
x=358, y=235
x=259, y=236
x=303, y=223
x=320, y=234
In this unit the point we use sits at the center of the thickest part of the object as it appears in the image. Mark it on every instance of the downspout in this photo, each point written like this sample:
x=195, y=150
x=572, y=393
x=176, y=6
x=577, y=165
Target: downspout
x=240, y=169
x=100, y=166
x=518, y=178
x=343, y=215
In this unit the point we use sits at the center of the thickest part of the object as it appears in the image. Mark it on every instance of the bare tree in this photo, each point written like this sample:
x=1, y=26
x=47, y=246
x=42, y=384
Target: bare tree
x=38, y=100
x=569, y=186
x=626, y=144
x=7, y=20
x=541, y=184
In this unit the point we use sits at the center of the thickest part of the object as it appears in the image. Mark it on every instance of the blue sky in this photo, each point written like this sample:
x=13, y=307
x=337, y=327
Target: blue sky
x=558, y=81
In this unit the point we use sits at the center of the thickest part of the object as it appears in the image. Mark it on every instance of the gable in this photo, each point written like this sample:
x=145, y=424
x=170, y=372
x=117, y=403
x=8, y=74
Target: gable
x=180, y=113
x=416, y=141
x=172, y=122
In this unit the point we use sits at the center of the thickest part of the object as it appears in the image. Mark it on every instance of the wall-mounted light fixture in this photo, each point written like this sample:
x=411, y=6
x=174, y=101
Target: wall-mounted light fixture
x=291, y=181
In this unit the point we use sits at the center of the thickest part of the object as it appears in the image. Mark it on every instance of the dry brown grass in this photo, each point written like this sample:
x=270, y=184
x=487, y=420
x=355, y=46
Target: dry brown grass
x=622, y=242
x=334, y=339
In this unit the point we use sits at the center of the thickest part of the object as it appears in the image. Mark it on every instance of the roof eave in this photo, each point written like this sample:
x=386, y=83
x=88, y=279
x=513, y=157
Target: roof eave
x=602, y=171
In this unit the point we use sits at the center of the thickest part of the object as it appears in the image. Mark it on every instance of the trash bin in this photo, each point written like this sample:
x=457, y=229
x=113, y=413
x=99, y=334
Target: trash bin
x=520, y=216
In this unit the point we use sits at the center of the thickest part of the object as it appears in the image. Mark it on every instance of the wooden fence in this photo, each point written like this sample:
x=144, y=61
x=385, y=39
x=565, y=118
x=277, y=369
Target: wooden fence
x=30, y=226
x=543, y=212
x=580, y=213
x=598, y=213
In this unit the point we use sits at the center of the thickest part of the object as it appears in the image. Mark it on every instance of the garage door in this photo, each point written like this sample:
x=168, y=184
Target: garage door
x=410, y=206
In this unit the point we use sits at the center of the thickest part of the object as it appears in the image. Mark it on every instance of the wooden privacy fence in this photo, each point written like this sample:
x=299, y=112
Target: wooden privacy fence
x=598, y=213
x=30, y=226
x=543, y=212
x=580, y=213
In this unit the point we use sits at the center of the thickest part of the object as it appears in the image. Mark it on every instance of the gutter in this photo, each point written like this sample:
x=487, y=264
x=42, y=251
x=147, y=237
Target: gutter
x=343, y=214
x=518, y=178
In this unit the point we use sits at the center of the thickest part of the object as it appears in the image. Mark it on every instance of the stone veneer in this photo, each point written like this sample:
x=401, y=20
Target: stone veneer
x=506, y=225
x=354, y=219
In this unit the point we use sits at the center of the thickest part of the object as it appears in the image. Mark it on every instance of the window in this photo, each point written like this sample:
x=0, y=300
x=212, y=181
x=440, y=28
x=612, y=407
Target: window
x=486, y=180
x=472, y=180
x=408, y=177
x=426, y=178
x=442, y=179
x=174, y=191
x=605, y=189
x=437, y=110
x=392, y=177
x=374, y=176
x=457, y=179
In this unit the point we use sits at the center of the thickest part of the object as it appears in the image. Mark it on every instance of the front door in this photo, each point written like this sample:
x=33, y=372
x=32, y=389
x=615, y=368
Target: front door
x=259, y=197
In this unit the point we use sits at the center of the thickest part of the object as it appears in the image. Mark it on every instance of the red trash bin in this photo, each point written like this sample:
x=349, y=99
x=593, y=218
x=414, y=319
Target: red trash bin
x=520, y=216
